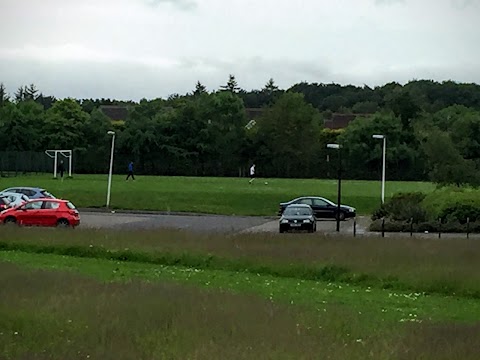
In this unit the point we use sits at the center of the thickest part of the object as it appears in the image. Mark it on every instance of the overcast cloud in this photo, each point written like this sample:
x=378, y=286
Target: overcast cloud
x=130, y=49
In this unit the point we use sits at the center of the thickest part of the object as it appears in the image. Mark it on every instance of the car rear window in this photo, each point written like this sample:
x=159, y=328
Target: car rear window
x=71, y=206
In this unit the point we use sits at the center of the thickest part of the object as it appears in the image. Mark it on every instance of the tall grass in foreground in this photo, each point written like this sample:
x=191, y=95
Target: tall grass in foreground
x=55, y=315
x=451, y=266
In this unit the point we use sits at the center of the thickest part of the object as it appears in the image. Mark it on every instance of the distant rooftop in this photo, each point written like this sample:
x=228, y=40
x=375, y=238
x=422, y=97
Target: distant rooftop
x=341, y=121
x=115, y=112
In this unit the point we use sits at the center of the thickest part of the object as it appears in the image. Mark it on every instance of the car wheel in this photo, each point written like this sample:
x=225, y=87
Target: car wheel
x=63, y=223
x=10, y=220
x=341, y=216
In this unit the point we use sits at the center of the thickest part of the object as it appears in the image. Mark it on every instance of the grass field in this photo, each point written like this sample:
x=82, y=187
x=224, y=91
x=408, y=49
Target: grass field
x=209, y=195
x=179, y=295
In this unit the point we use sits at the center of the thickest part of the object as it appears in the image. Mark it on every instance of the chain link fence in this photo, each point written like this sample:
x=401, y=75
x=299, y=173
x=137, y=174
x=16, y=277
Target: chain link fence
x=14, y=163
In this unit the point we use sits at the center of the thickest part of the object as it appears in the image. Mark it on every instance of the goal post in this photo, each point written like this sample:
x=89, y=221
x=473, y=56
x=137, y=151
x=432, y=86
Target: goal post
x=54, y=154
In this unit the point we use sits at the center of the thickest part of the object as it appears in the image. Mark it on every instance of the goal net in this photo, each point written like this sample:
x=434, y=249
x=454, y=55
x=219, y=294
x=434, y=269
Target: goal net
x=58, y=156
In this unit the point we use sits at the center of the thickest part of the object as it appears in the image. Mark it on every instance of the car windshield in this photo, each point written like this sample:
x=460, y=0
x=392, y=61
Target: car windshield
x=47, y=194
x=297, y=211
x=70, y=205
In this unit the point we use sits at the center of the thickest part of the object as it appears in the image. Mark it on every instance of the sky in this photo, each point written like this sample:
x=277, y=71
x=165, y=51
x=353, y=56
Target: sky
x=133, y=49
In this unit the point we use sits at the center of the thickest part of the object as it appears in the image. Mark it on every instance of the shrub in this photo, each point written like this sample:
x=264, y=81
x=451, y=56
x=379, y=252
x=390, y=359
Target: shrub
x=460, y=212
x=380, y=213
x=390, y=226
x=437, y=202
x=430, y=226
x=403, y=207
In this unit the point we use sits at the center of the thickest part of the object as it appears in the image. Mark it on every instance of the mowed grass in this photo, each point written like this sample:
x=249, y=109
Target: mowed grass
x=210, y=195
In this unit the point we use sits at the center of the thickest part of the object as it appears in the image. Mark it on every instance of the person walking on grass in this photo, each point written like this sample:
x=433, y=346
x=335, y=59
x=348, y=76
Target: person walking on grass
x=252, y=174
x=61, y=169
x=130, y=171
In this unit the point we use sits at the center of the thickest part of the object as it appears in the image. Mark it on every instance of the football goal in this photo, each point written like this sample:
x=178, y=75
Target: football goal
x=59, y=155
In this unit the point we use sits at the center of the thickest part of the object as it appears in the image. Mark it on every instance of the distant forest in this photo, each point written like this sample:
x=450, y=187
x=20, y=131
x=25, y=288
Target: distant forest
x=432, y=129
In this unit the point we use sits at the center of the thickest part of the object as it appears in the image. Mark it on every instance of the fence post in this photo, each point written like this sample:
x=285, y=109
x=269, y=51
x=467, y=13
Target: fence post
x=383, y=227
x=411, y=227
x=354, y=227
x=468, y=227
x=439, y=228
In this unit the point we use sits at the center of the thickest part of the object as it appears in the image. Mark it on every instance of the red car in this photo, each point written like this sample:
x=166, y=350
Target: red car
x=42, y=212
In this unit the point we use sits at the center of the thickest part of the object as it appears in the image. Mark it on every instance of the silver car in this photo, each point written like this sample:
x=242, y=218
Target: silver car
x=15, y=199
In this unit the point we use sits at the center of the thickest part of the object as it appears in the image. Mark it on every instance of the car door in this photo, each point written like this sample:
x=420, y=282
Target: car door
x=28, y=214
x=322, y=209
x=48, y=213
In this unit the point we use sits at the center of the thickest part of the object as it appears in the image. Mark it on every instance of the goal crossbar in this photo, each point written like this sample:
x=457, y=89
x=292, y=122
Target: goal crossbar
x=53, y=154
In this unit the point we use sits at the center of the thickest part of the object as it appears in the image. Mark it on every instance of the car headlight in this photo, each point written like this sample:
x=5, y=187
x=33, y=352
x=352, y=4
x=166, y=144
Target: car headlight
x=284, y=221
x=306, y=220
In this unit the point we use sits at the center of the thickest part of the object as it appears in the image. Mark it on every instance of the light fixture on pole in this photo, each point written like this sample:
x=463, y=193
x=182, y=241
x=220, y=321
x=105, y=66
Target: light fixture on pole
x=384, y=138
x=339, y=190
x=112, y=134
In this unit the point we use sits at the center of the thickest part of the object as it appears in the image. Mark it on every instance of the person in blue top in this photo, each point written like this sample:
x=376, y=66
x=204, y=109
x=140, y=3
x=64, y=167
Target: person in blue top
x=130, y=171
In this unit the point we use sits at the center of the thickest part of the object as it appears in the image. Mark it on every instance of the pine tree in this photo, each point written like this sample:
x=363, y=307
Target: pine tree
x=30, y=92
x=231, y=85
x=270, y=87
x=20, y=94
x=3, y=95
x=200, y=89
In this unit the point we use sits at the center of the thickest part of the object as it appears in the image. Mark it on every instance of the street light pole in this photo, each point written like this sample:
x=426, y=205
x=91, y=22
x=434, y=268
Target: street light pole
x=384, y=151
x=339, y=188
x=112, y=133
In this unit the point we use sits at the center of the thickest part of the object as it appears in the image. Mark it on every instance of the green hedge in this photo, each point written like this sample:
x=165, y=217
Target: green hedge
x=445, y=209
x=430, y=226
x=455, y=202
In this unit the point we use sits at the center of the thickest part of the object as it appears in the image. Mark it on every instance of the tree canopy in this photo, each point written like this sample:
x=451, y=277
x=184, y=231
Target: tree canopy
x=432, y=130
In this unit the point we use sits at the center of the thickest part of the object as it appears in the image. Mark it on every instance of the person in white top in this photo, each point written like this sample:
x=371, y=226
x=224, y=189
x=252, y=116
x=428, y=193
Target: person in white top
x=252, y=173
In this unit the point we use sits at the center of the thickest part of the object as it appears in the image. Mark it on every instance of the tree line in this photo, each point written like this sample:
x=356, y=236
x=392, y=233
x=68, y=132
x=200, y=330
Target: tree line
x=432, y=131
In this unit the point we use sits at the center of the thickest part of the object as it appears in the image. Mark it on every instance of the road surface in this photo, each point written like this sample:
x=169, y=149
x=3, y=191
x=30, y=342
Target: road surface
x=210, y=223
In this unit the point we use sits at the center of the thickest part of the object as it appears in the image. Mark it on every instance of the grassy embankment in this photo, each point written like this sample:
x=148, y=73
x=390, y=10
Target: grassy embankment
x=170, y=294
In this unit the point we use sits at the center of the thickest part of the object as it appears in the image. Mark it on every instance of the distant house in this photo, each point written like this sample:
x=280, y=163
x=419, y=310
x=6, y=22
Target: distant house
x=341, y=121
x=337, y=121
x=254, y=113
x=115, y=112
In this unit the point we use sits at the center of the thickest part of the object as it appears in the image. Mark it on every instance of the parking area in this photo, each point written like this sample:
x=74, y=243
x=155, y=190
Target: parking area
x=210, y=223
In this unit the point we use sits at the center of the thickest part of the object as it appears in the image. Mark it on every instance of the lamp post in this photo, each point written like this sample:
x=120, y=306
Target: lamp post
x=384, y=138
x=339, y=190
x=112, y=134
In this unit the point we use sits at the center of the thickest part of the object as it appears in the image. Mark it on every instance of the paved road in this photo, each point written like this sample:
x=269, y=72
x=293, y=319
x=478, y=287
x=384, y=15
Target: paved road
x=229, y=224
x=155, y=221
x=210, y=223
